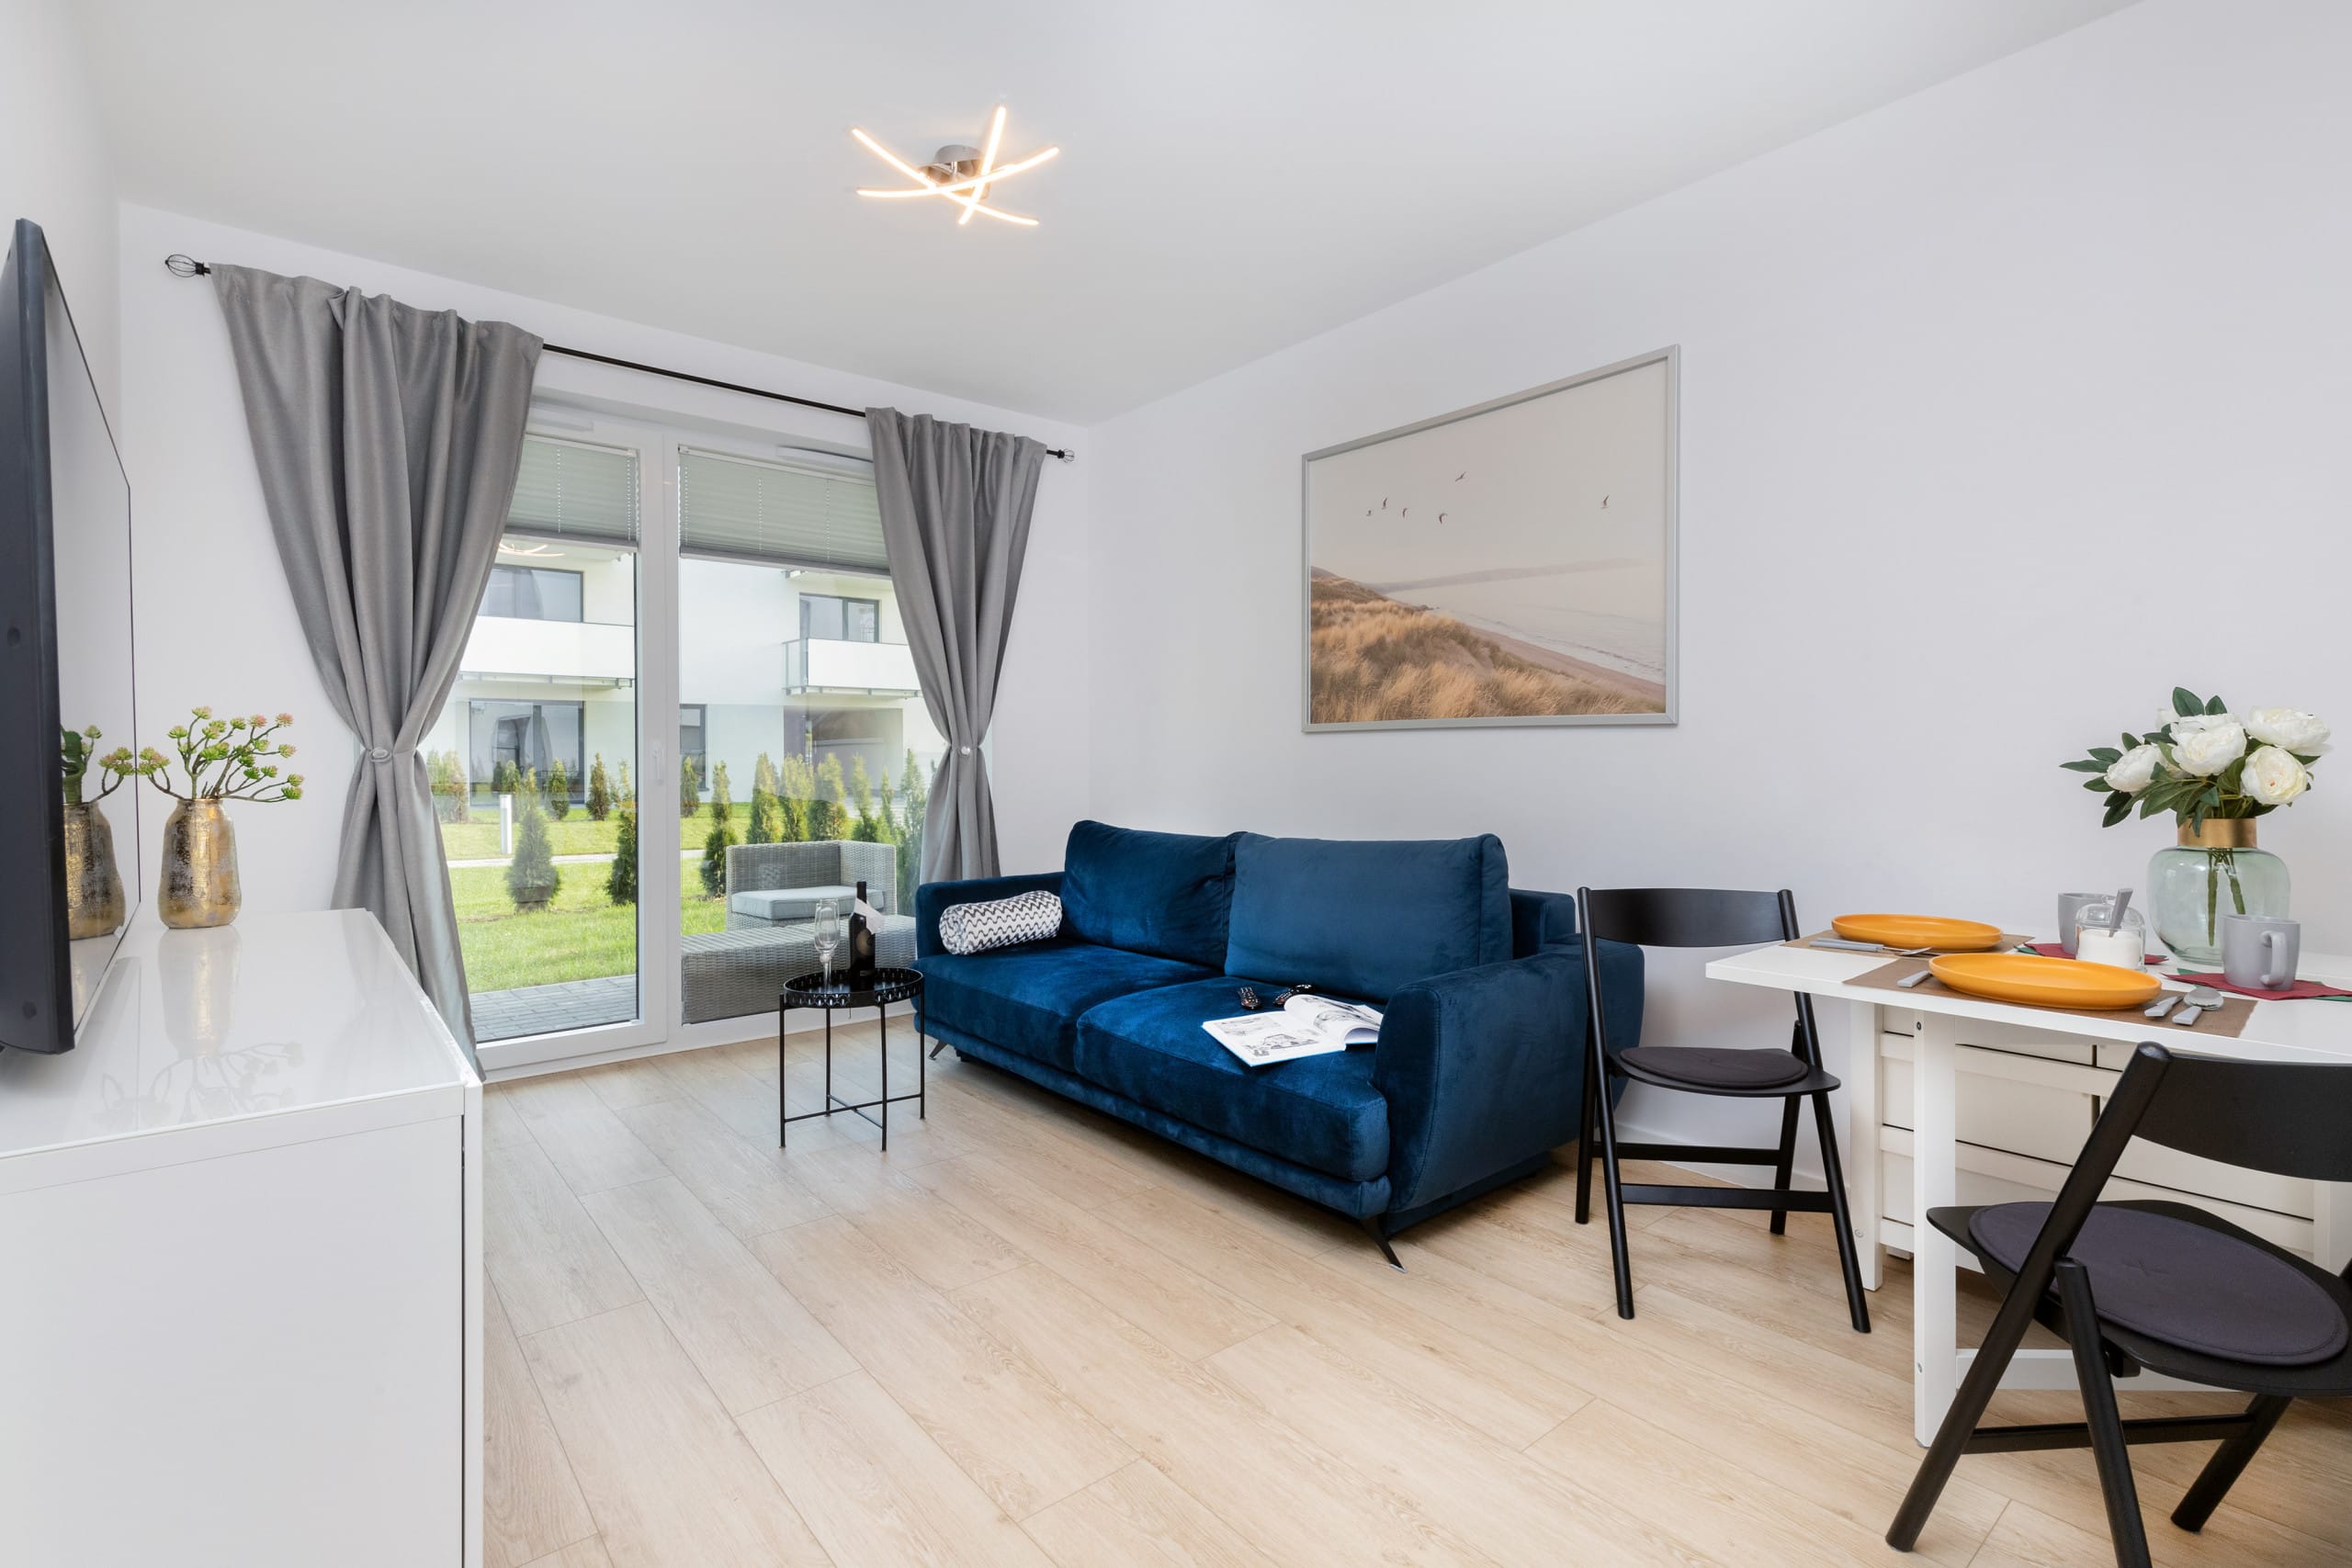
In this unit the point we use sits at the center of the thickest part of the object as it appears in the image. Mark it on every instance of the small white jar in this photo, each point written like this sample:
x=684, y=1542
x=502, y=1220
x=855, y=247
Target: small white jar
x=2126, y=947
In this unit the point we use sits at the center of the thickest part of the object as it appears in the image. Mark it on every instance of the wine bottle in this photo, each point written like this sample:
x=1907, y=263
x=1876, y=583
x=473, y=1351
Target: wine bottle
x=861, y=943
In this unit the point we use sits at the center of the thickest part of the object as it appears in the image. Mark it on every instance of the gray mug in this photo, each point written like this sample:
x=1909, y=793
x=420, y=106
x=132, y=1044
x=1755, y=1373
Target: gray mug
x=2069, y=906
x=2259, y=953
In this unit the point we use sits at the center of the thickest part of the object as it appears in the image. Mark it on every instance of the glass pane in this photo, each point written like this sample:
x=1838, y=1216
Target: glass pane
x=534, y=767
x=821, y=755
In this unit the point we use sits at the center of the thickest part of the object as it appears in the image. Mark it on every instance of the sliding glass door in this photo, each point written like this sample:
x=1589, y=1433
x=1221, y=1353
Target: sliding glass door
x=813, y=747
x=535, y=760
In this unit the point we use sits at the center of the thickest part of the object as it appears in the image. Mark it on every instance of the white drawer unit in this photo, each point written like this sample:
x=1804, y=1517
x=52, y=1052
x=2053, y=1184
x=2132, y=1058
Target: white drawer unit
x=240, y=1239
x=2025, y=1107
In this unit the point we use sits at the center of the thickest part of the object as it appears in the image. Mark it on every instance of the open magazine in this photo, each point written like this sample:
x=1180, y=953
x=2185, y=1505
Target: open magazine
x=1303, y=1026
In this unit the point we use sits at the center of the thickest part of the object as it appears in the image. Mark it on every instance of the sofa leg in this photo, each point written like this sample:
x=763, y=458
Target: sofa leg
x=1371, y=1223
x=936, y=1047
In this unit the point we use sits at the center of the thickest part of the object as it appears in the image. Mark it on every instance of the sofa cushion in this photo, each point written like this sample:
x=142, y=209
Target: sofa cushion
x=1318, y=1111
x=1166, y=894
x=1367, y=917
x=788, y=903
x=1029, y=998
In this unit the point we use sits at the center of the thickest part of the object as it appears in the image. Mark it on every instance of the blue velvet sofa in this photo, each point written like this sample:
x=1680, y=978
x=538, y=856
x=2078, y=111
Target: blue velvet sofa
x=1475, y=1079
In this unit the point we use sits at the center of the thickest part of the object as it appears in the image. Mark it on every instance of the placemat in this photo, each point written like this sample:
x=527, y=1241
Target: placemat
x=2058, y=950
x=2227, y=1021
x=2301, y=990
x=2008, y=939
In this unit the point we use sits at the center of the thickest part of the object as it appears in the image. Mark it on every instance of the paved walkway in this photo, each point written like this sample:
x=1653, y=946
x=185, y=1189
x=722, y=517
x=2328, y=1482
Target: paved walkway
x=547, y=1009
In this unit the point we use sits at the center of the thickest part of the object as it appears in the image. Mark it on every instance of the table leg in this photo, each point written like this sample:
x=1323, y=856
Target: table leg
x=1864, y=1176
x=2331, y=1224
x=922, y=1030
x=1935, y=1261
x=829, y=1066
x=882, y=1022
x=781, y=1013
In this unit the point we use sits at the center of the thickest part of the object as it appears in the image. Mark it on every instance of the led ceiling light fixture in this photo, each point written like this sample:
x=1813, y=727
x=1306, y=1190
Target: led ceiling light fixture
x=958, y=174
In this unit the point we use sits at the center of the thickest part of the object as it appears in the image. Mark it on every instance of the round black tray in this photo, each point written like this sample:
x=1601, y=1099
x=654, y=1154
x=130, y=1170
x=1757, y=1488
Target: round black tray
x=890, y=986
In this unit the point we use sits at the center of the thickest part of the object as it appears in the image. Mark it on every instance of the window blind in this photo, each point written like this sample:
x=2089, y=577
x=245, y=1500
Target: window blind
x=812, y=510
x=569, y=489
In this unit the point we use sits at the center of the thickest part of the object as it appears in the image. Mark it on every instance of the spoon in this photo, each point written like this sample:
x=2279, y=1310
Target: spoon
x=2199, y=1001
x=2115, y=911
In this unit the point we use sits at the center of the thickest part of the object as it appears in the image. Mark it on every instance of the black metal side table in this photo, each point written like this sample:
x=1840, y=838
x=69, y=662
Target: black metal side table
x=810, y=991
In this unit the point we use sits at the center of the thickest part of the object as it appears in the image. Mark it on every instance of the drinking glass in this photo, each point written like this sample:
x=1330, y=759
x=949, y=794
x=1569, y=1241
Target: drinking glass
x=826, y=932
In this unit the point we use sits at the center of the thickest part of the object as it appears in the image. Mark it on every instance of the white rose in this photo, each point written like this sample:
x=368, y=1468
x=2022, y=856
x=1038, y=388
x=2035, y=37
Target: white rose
x=2135, y=769
x=2290, y=729
x=2206, y=744
x=2273, y=776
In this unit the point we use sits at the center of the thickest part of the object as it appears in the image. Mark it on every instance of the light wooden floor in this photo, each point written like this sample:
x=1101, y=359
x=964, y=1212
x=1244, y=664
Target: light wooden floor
x=1032, y=1336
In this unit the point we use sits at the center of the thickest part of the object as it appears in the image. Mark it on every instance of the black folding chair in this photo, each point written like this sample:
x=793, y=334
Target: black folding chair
x=1705, y=917
x=2160, y=1286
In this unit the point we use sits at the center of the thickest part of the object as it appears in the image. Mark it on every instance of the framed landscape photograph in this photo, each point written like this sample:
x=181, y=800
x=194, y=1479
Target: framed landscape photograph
x=1508, y=564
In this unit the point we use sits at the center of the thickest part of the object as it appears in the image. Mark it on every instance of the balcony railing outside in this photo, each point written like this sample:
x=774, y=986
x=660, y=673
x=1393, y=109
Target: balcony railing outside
x=834, y=664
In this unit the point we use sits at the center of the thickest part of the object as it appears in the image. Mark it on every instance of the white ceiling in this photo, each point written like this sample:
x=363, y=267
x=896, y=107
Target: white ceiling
x=1235, y=176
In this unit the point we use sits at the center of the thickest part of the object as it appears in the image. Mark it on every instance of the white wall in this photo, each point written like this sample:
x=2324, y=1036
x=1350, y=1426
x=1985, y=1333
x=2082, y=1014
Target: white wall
x=55, y=169
x=2004, y=409
x=216, y=622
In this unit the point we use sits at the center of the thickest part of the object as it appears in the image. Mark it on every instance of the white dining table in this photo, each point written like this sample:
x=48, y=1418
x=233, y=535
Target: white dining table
x=2308, y=1029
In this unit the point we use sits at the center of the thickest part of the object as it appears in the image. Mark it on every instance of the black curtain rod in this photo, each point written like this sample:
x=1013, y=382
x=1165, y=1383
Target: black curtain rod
x=188, y=266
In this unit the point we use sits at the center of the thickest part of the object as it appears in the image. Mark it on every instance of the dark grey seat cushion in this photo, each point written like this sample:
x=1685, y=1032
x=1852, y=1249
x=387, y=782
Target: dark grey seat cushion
x=2183, y=1283
x=1714, y=1066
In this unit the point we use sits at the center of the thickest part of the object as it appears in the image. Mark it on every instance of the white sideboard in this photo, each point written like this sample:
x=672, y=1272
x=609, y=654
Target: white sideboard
x=241, y=1264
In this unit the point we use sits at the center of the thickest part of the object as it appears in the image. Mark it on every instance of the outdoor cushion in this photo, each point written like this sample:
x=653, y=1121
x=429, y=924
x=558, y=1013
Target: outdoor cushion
x=1166, y=894
x=788, y=903
x=1029, y=998
x=1319, y=1112
x=1366, y=917
x=2181, y=1282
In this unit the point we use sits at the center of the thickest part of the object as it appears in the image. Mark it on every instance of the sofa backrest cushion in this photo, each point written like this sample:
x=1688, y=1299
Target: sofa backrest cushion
x=1166, y=894
x=1367, y=917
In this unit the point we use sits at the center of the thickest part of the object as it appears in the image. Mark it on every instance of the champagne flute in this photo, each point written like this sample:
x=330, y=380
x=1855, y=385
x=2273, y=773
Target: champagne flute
x=826, y=932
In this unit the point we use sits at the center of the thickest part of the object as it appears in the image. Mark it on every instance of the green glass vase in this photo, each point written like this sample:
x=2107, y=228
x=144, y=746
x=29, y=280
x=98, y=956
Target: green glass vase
x=2213, y=870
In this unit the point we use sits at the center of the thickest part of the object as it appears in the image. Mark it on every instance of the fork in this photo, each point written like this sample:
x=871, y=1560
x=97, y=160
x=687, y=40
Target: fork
x=1841, y=945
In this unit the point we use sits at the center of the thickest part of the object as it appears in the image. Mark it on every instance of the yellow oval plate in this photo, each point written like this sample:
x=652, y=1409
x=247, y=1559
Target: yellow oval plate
x=1919, y=930
x=2044, y=982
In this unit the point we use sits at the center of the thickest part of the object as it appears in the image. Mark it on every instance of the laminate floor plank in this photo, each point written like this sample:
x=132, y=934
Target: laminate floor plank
x=531, y=1504
x=751, y=1340
x=587, y=1553
x=1295, y=1502
x=548, y=1261
x=1025, y=1442
x=750, y=1191
x=1496, y=1498
x=1336, y=1300
x=670, y=1478
x=580, y=1134
x=875, y=1488
x=1141, y=1518
x=1167, y=1301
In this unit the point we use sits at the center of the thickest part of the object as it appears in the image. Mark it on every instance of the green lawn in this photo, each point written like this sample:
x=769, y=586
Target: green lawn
x=575, y=835
x=580, y=936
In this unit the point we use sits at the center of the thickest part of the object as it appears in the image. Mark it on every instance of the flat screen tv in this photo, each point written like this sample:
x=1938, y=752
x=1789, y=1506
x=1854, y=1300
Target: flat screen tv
x=65, y=662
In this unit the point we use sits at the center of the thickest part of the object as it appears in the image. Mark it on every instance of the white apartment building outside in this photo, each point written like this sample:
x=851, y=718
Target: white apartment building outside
x=774, y=659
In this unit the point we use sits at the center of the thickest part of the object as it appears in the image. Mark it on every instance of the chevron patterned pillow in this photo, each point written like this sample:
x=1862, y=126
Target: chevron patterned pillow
x=1000, y=923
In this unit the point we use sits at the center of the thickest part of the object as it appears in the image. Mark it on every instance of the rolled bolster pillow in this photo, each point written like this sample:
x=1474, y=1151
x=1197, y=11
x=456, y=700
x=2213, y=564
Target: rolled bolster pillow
x=1000, y=923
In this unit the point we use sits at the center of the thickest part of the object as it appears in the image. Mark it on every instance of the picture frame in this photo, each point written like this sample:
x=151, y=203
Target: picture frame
x=1537, y=586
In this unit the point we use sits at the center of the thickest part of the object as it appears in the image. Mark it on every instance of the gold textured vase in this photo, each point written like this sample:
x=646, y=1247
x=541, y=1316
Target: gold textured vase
x=200, y=887
x=94, y=901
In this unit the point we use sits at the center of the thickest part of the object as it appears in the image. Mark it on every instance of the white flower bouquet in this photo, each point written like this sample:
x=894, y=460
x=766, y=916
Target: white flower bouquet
x=2207, y=763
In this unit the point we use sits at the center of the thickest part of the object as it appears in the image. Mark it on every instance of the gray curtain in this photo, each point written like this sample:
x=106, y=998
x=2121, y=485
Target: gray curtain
x=955, y=505
x=387, y=439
